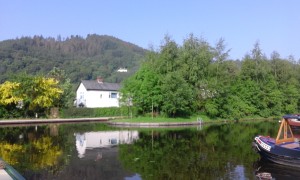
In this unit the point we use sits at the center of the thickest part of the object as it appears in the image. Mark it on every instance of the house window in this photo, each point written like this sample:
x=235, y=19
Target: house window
x=113, y=95
x=100, y=96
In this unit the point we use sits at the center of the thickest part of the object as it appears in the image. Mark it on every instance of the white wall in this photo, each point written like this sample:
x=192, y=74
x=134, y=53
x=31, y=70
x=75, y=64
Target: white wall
x=101, y=99
x=81, y=95
x=94, y=99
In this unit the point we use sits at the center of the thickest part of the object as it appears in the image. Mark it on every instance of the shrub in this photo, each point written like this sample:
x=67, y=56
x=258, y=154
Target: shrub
x=77, y=112
x=74, y=112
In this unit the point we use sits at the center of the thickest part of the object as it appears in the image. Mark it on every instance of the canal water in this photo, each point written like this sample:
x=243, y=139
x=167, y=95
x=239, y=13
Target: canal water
x=98, y=151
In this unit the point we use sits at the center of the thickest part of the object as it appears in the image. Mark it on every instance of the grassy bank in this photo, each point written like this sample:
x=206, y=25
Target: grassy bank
x=188, y=119
x=164, y=119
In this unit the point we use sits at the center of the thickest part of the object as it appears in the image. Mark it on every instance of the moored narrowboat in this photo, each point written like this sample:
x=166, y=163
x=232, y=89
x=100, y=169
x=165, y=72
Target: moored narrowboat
x=285, y=149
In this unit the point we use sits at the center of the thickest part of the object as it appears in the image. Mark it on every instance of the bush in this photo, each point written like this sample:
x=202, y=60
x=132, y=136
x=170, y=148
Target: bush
x=9, y=112
x=74, y=112
x=77, y=112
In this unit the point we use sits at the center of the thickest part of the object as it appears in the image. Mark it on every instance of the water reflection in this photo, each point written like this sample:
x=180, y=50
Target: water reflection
x=103, y=139
x=97, y=151
x=266, y=170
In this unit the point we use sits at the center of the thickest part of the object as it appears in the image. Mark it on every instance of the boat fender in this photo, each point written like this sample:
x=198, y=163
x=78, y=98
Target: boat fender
x=255, y=147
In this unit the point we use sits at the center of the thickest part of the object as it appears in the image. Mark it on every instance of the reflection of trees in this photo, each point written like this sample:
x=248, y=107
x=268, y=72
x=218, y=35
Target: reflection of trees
x=41, y=150
x=10, y=152
x=29, y=148
x=43, y=153
x=213, y=152
x=38, y=154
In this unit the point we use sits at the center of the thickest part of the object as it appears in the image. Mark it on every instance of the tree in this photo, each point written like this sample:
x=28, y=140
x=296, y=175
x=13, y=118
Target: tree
x=8, y=91
x=64, y=83
x=143, y=88
x=177, y=96
x=45, y=92
x=10, y=100
x=221, y=55
x=35, y=93
x=168, y=56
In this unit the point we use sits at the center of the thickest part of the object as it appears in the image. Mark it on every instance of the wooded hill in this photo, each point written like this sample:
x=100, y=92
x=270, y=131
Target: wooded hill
x=81, y=58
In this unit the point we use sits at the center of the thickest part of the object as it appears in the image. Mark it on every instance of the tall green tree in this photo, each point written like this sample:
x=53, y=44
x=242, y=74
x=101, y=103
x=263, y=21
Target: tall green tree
x=64, y=83
x=177, y=95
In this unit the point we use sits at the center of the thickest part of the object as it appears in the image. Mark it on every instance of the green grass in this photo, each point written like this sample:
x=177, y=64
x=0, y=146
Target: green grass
x=188, y=119
x=162, y=119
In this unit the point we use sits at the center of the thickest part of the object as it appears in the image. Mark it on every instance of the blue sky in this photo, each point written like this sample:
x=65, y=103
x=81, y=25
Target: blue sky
x=274, y=23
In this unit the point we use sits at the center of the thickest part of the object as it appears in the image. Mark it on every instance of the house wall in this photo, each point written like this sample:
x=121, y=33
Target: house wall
x=94, y=99
x=81, y=95
x=101, y=99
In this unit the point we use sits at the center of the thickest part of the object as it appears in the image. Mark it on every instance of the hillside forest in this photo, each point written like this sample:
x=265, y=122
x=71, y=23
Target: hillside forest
x=175, y=80
x=80, y=58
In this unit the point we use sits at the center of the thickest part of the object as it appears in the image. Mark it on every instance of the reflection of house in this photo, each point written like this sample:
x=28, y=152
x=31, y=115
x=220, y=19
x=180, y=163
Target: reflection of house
x=96, y=93
x=91, y=140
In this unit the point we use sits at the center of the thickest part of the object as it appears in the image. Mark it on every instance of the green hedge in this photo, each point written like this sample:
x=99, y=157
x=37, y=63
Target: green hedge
x=74, y=112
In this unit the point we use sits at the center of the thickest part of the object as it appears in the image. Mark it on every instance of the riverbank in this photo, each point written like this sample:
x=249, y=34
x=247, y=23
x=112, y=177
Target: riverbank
x=47, y=121
x=121, y=121
x=115, y=121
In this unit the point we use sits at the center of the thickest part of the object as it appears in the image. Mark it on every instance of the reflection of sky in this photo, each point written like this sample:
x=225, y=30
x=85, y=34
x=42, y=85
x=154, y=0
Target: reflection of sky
x=134, y=177
x=102, y=139
x=238, y=173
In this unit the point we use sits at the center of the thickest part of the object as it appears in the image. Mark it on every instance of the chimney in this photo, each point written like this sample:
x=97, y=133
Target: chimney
x=100, y=80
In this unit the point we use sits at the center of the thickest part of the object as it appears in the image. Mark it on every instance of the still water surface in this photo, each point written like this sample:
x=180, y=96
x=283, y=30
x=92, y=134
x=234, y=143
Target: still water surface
x=97, y=151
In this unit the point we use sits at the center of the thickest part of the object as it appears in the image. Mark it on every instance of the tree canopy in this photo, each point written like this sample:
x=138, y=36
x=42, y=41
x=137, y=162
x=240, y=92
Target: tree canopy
x=29, y=95
x=199, y=78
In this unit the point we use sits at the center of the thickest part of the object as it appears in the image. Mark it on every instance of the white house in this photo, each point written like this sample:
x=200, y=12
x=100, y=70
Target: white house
x=122, y=70
x=96, y=93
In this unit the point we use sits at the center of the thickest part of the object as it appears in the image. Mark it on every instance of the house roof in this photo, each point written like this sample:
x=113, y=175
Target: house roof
x=104, y=86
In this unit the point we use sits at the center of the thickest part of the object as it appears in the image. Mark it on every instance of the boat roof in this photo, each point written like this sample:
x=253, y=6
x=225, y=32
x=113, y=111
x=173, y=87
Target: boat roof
x=292, y=116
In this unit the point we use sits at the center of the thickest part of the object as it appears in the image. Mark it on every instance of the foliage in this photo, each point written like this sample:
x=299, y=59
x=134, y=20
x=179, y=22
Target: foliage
x=30, y=94
x=196, y=77
x=178, y=96
x=45, y=90
x=64, y=83
x=8, y=93
x=113, y=111
x=74, y=112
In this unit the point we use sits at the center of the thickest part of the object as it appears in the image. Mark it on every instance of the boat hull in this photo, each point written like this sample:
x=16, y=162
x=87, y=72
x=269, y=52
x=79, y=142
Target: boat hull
x=280, y=154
